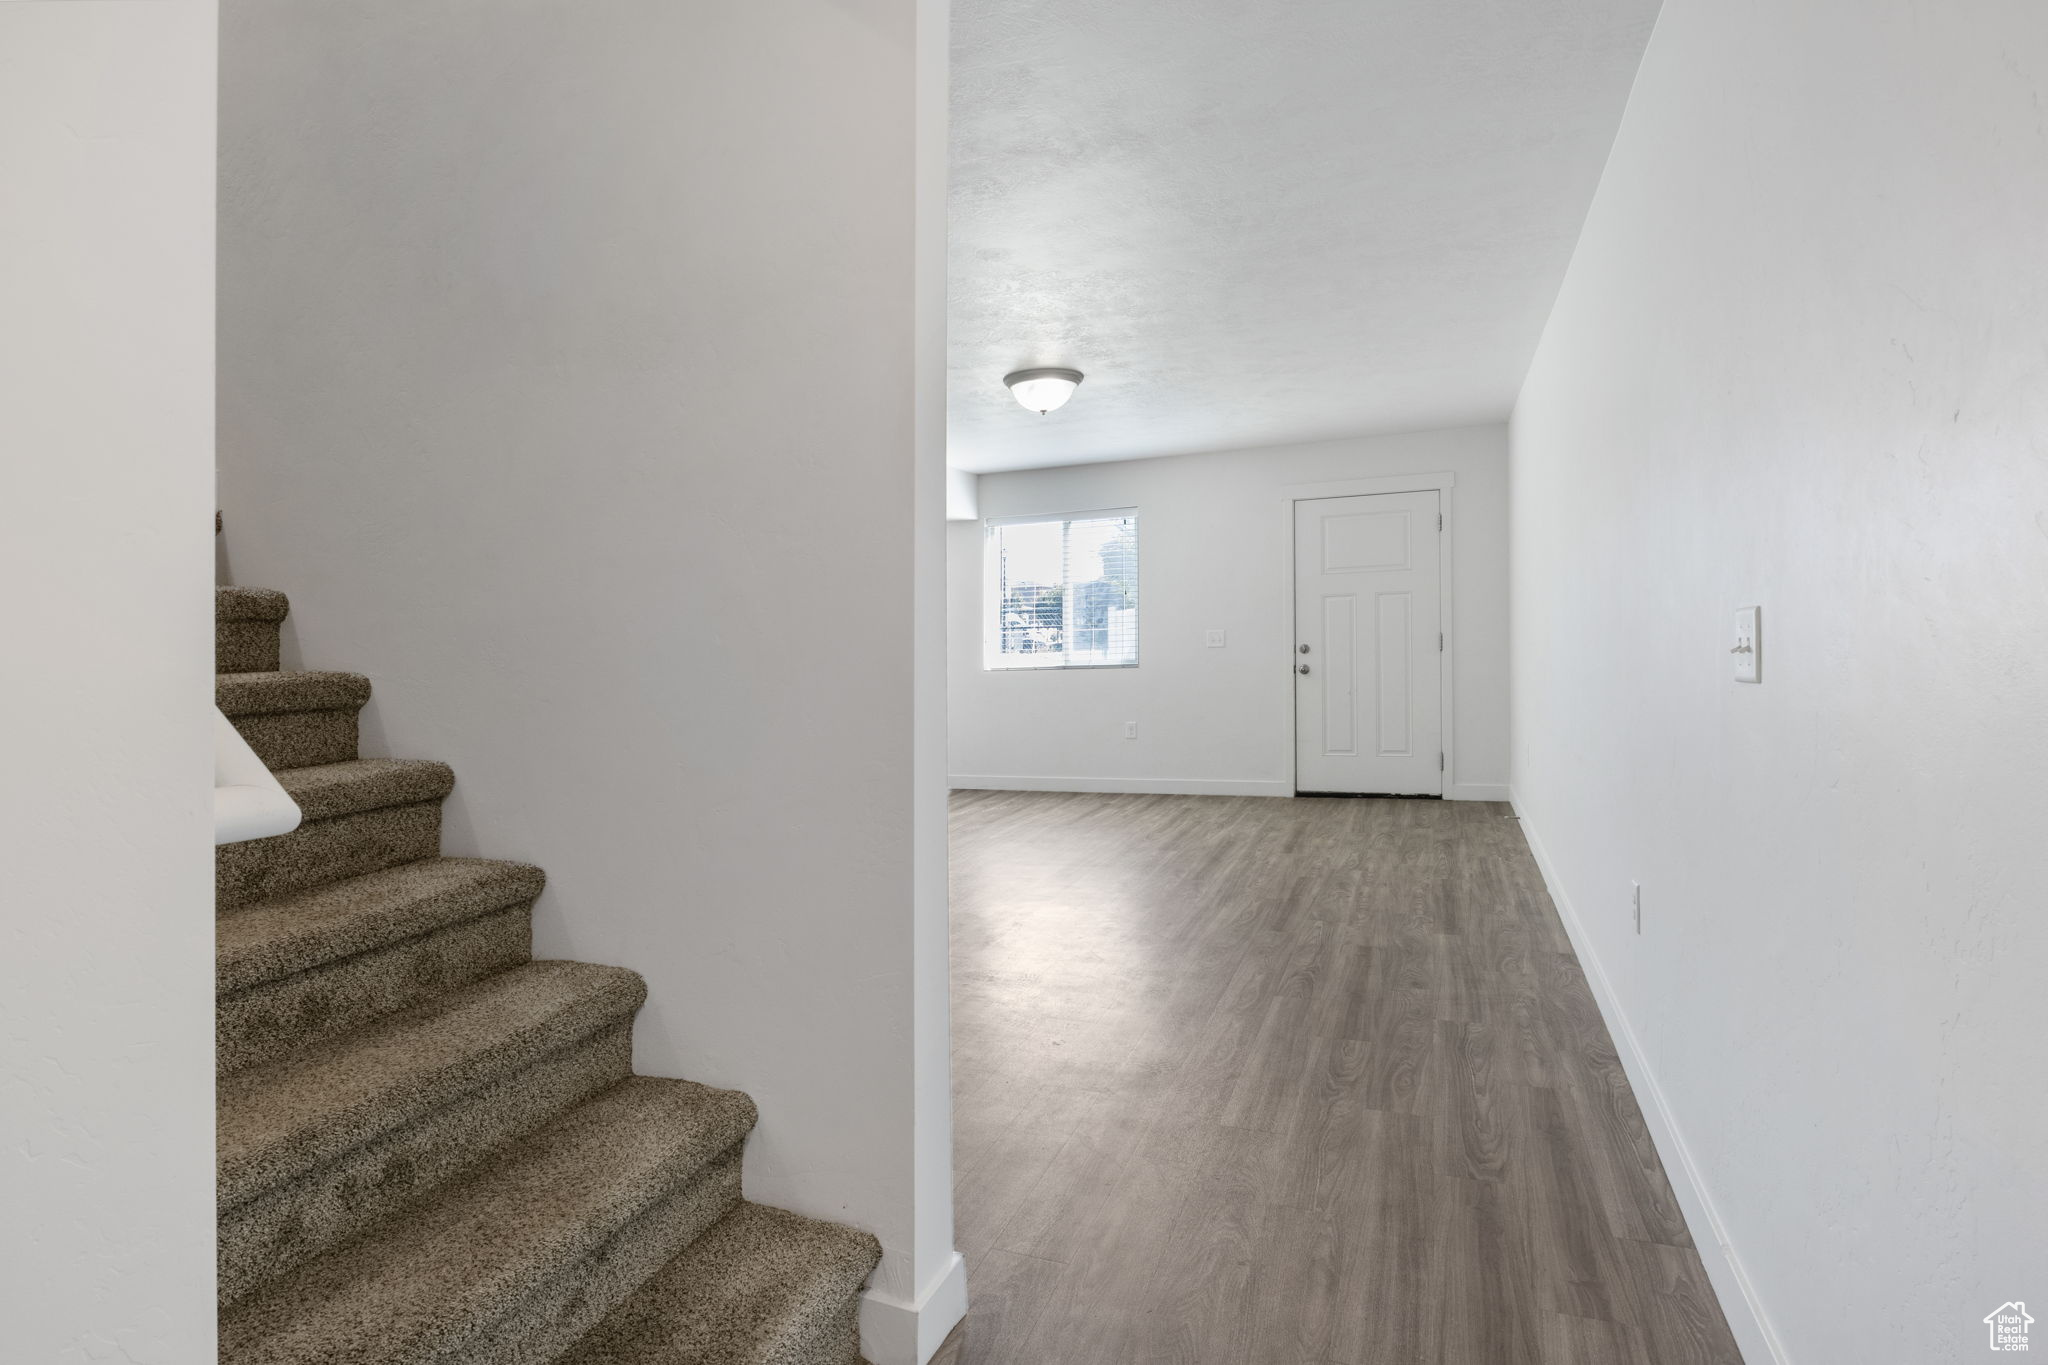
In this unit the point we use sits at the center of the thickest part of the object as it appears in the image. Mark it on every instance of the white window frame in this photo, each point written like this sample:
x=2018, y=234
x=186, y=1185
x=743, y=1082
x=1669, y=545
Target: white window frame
x=992, y=659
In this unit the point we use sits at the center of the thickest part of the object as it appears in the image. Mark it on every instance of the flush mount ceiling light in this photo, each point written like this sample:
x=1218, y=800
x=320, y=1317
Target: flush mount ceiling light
x=1043, y=390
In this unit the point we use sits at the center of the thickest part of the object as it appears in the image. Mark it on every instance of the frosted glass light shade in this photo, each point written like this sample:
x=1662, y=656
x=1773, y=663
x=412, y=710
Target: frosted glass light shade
x=1043, y=390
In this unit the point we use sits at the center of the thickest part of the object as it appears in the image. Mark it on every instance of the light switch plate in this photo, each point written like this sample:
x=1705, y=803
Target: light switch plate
x=1749, y=643
x=1215, y=639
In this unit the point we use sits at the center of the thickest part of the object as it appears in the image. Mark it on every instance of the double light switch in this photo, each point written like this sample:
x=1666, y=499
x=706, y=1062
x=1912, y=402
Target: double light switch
x=1747, y=650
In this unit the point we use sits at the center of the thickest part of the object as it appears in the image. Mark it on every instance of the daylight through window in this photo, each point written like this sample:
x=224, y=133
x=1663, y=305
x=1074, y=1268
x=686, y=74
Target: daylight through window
x=1063, y=591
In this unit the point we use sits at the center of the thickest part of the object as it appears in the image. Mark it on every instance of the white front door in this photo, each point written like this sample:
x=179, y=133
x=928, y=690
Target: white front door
x=1368, y=694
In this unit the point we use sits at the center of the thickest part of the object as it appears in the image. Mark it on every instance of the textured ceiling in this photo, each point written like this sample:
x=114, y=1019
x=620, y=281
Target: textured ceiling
x=1253, y=222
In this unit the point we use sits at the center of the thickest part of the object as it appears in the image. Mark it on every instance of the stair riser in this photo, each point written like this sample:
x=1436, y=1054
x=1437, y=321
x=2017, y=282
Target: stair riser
x=839, y=1342
x=826, y=1336
x=266, y=1235
x=552, y=1315
x=300, y=739
x=264, y=1022
x=245, y=646
x=763, y=1286
x=323, y=851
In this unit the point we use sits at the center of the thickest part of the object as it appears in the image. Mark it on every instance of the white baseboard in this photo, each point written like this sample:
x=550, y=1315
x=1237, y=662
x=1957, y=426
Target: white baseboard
x=1740, y=1303
x=1133, y=786
x=1476, y=791
x=1182, y=786
x=893, y=1332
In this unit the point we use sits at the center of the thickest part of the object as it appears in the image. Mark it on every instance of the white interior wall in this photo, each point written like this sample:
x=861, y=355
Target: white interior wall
x=570, y=387
x=1798, y=362
x=961, y=496
x=1214, y=553
x=915, y=1328
x=106, y=472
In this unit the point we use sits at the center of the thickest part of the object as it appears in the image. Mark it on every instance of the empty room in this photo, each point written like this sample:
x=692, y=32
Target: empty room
x=1400, y=912
x=897, y=681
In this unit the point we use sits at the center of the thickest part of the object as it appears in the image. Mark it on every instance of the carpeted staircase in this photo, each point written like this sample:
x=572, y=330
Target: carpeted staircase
x=433, y=1150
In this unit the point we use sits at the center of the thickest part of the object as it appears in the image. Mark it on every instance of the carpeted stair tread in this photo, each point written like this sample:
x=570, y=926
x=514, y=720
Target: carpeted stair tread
x=303, y=968
x=275, y=938
x=265, y=694
x=246, y=629
x=761, y=1287
x=249, y=604
x=285, y=1226
x=421, y=1287
x=321, y=852
x=279, y=1121
x=327, y=790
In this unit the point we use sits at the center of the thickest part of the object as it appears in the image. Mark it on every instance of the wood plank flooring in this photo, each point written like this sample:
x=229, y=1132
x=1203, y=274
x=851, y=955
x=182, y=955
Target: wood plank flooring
x=1242, y=1081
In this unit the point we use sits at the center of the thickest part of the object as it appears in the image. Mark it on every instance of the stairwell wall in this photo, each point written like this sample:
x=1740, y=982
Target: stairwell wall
x=1797, y=362
x=568, y=386
x=106, y=817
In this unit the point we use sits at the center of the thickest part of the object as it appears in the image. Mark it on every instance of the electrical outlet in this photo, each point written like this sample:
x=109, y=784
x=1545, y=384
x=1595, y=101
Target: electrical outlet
x=1130, y=729
x=1215, y=639
x=1635, y=896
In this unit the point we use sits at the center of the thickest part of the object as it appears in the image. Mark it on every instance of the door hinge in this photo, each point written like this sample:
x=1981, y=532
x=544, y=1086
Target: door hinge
x=1439, y=762
x=1439, y=521
x=1439, y=642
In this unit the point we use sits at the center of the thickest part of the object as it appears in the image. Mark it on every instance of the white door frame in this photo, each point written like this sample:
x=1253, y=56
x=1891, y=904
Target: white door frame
x=1441, y=484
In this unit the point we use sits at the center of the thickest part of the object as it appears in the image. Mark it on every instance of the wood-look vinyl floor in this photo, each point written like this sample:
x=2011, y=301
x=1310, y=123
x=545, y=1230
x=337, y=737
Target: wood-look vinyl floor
x=1242, y=1081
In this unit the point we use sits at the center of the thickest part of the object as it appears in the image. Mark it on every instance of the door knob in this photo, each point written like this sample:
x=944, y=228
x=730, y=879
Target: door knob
x=1304, y=649
x=1301, y=668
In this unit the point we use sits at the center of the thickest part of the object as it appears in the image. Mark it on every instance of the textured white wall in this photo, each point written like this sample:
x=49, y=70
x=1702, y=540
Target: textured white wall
x=1798, y=361
x=1214, y=534
x=106, y=470
x=568, y=388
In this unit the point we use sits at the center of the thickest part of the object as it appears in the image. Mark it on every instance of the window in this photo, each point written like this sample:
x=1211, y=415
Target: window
x=1063, y=591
